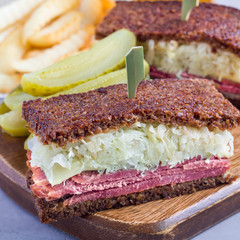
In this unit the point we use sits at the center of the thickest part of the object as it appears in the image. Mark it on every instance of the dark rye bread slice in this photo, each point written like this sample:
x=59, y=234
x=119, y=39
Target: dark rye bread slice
x=232, y=93
x=53, y=210
x=189, y=102
x=214, y=24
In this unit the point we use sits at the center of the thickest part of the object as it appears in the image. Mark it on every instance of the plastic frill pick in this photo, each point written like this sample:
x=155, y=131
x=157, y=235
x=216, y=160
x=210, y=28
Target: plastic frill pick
x=187, y=6
x=135, y=69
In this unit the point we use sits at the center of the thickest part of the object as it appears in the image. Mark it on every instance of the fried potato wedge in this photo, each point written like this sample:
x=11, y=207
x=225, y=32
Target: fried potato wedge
x=11, y=50
x=58, y=30
x=44, y=14
x=56, y=53
x=107, y=5
x=5, y=33
x=15, y=11
x=8, y=82
x=92, y=11
x=31, y=53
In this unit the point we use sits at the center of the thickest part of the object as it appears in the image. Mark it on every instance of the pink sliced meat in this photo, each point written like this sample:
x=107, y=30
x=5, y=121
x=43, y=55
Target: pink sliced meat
x=91, y=185
x=229, y=89
x=139, y=186
x=39, y=177
x=93, y=176
x=224, y=86
x=155, y=73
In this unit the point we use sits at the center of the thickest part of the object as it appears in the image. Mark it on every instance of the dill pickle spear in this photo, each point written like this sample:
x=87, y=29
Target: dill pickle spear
x=13, y=124
x=111, y=78
x=116, y=77
x=105, y=56
x=15, y=98
x=4, y=108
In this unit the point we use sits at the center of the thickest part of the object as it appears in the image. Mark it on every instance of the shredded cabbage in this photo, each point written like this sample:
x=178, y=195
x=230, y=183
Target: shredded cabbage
x=195, y=58
x=141, y=147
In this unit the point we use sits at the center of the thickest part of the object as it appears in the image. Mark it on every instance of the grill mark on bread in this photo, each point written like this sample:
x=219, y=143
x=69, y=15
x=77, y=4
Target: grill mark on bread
x=214, y=24
x=189, y=102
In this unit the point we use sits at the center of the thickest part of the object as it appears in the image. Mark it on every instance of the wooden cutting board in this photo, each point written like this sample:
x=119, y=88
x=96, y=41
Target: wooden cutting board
x=177, y=218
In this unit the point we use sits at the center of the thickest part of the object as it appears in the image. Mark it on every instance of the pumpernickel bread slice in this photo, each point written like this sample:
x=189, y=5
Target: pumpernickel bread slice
x=188, y=102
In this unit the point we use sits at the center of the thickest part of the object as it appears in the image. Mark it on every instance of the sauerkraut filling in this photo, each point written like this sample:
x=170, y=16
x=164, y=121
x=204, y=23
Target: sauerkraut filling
x=141, y=147
x=195, y=58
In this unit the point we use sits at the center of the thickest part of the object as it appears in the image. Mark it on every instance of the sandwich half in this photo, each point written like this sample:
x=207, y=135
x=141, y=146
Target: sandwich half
x=207, y=45
x=100, y=150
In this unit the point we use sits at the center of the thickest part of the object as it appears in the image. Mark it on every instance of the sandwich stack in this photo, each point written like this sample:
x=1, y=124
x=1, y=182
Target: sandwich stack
x=206, y=46
x=100, y=150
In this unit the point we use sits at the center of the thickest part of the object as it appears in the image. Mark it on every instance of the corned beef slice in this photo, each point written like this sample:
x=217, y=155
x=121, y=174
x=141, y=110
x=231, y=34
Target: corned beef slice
x=226, y=86
x=91, y=185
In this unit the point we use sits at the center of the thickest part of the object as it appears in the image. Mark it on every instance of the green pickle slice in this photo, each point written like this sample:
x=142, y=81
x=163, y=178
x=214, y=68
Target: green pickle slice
x=105, y=56
x=16, y=98
x=116, y=77
x=111, y=78
x=13, y=124
x=4, y=108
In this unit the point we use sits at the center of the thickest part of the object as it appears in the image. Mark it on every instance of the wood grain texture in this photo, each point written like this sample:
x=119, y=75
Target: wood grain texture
x=176, y=218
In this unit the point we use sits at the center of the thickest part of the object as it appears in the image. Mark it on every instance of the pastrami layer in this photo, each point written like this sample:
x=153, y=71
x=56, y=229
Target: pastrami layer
x=92, y=185
x=53, y=210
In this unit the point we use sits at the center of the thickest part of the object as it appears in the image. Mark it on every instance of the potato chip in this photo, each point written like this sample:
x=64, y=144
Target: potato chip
x=58, y=30
x=56, y=53
x=44, y=14
x=11, y=50
x=15, y=11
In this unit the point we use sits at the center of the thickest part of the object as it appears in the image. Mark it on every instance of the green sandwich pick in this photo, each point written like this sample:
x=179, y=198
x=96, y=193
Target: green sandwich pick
x=135, y=69
x=187, y=6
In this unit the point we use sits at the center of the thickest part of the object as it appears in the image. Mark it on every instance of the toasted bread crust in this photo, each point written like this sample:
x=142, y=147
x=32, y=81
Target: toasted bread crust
x=233, y=97
x=53, y=210
x=190, y=102
x=210, y=23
